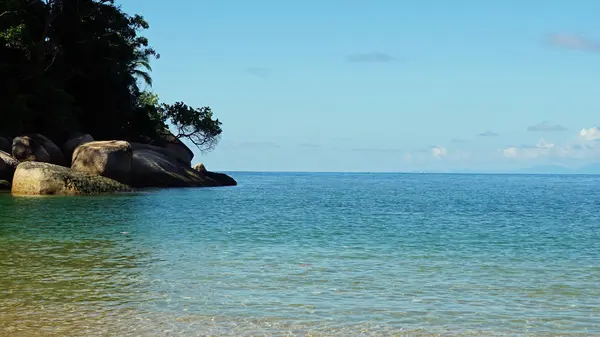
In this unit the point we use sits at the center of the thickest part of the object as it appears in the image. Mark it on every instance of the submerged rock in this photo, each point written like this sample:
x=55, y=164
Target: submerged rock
x=36, y=147
x=111, y=159
x=36, y=178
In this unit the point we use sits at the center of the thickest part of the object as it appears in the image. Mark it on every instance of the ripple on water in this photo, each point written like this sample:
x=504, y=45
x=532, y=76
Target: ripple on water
x=308, y=255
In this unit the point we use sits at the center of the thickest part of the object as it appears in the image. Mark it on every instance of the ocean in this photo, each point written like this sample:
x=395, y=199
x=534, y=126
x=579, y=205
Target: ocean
x=309, y=254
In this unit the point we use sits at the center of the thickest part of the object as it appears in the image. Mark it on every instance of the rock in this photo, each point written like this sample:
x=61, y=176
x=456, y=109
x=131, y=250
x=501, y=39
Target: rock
x=8, y=159
x=8, y=164
x=154, y=169
x=4, y=185
x=221, y=178
x=36, y=178
x=182, y=153
x=111, y=159
x=36, y=147
x=159, y=149
x=200, y=168
x=74, y=141
x=6, y=144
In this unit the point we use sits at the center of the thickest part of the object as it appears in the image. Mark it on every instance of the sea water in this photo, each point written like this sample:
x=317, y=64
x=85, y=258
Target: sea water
x=291, y=254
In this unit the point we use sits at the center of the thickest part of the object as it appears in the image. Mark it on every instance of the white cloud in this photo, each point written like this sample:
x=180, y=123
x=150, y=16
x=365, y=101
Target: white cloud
x=434, y=153
x=589, y=134
x=585, y=146
x=511, y=152
x=439, y=152
x=541, y=149
x=543, y=144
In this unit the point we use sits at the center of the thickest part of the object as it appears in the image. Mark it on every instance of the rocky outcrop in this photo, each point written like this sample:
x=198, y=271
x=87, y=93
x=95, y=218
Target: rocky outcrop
x=221, y=179
x=73, y=142
x=111, y=159
x=154, y=169
x=35, y=178
x=36, y=147
x=162, y=150
x=116, y=162
x=181, y=152
x=141, y=165
x=8, y=164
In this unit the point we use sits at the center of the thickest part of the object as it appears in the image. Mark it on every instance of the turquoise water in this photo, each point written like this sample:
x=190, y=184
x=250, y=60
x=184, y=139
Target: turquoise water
x=309, y=255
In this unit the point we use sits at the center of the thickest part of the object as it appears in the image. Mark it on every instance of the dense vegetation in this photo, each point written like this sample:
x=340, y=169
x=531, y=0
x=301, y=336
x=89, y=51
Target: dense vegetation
x=78, y=65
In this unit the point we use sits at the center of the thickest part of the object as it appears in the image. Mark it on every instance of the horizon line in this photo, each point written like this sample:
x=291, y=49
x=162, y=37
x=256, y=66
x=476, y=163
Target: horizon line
x=413, y=172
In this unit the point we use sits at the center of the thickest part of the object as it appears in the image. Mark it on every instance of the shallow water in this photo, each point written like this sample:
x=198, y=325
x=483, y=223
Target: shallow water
x=309, y=255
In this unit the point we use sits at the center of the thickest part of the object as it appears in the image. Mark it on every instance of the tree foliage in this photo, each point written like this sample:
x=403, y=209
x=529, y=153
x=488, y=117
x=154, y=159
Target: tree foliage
x=71, y=65
x=195, y=124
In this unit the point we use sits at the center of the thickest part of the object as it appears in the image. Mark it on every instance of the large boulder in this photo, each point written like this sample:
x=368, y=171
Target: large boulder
x=36, y=147
x=8, y=164
x=162, y=150
x=73, y=142
x=111, y=159
x=182, y=153
x=6, y=144
x=36, y=178
x=154, y=169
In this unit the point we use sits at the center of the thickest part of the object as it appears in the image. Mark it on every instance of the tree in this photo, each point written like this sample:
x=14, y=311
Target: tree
x=74, y=65
x=141, y=61
x=195, y=124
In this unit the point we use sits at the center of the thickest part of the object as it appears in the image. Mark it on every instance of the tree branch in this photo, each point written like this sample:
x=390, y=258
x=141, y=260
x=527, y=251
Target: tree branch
x=51, y=62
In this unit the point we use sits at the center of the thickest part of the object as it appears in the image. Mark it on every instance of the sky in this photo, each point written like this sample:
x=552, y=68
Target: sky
x=384, y=85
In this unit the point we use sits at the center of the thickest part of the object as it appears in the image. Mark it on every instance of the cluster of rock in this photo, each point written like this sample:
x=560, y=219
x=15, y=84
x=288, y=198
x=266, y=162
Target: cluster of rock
x=34, y=165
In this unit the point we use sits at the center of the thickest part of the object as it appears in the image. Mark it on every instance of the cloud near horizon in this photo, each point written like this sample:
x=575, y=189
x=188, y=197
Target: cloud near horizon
x=585, y=146
x=574, y=42
x=546, y=126
x=439, y=152
x=436, y=153
x=374, y=57
x=590, y=134
x=541, y=149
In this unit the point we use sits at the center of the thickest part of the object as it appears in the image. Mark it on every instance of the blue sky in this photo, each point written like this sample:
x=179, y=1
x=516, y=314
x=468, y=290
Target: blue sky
x=414, y=85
